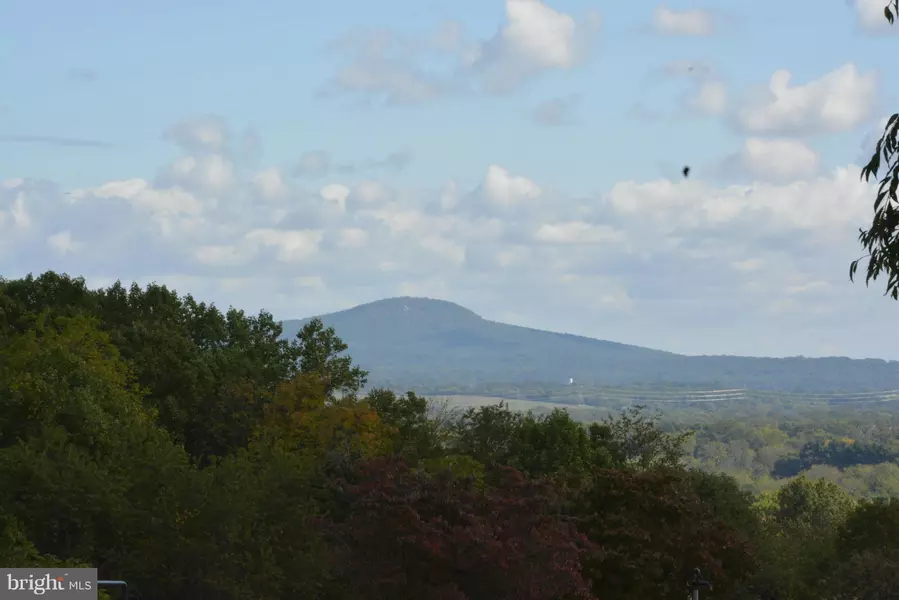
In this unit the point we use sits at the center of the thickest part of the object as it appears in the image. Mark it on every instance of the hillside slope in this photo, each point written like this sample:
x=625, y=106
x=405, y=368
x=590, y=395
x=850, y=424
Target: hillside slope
x=431, y=345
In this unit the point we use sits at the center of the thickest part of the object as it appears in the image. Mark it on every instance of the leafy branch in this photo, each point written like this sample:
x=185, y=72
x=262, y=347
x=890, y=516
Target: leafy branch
x=881, y=240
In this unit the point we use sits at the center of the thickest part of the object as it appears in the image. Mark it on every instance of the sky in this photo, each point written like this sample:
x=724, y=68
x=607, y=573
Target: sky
x=518, y=157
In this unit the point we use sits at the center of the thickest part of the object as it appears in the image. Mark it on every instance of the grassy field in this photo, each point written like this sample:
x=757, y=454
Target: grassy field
x=464, y=402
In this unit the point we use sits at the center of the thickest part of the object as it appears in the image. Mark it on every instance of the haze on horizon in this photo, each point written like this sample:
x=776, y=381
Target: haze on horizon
x=519, y=158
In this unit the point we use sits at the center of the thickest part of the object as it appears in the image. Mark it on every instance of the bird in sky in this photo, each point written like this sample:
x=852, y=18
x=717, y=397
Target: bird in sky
x=686, y=171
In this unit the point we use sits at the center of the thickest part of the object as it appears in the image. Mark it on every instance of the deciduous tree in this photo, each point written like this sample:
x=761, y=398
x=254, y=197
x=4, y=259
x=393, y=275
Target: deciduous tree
x=881, y=239
x=409, y=535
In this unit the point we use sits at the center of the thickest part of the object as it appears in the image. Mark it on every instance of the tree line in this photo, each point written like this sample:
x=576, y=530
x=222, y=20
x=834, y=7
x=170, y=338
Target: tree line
x=197, y=454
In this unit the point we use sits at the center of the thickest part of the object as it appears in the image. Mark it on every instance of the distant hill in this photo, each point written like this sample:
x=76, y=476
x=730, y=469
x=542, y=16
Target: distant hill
x=434, y=346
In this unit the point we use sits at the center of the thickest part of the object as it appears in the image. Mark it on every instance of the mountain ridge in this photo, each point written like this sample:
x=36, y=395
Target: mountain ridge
x=396, y=300
x=430, y=344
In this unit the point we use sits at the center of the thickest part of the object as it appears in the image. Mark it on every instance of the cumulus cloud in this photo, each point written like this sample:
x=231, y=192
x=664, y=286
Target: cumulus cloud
x=779, y=160
x=62, y=242
x=536, y=38
x=270, y=184
x=707, y=94
x=202, y=134
x=336, y=193
x=207, y=173
x=640, y=258
x=382, y=65
x=838, y=101
x=386, y=67
x=694, y=22
x=822, y=207
x=578, y=232
x=708, y=98
x=504, y=189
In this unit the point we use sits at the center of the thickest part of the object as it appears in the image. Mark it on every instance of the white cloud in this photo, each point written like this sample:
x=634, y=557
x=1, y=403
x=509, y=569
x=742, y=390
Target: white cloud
x=539, y=34
x=206, y=133
x=11, y=183
x=806, y=287
x=641, y=262
x=826, y=206
x=776, y=159
x=709, y=98
x=271, y=185
x=352, y=237
x=687, y=22
x=172, y=210
x=224, y=255
x=62, y=242
x=369, y=193
x=707, y=94
x=447, y=249
x=292, y=246
x=504, y=189
x=578, y=232
x=597, y=292
x=20, y=217
x=399, y=220
x=313, y=282
x=838, y=101
x=536, y=38
x=449, y=196
x=748, y=264
x=384, y=66
x=336, y=193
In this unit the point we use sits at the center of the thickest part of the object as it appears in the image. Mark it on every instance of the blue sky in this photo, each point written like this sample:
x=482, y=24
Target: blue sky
x=518, y=157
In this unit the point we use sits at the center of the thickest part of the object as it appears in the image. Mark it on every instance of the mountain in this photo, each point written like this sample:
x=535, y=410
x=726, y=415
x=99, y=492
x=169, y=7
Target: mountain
x=434, y=346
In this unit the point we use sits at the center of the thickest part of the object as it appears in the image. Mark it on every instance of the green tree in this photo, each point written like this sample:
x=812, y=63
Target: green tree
x=818, y=505
x=16, y=549
x=206, y=374
x=881, y=239
x=417, y=434
x=800, y=524
x=320, y=353
x=553, y=443
x=489, y=434
x=635, y=440
x=86, y=471
x=866, y=565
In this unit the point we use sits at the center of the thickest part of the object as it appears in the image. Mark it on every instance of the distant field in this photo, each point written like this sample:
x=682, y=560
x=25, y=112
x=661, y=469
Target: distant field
x=522, y=405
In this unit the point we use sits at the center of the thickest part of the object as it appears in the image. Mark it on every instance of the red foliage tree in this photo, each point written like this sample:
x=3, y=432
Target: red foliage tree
x=654, y=529
x=408, y=535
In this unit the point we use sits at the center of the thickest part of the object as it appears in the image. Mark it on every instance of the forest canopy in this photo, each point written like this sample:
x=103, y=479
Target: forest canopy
x=198, y=454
